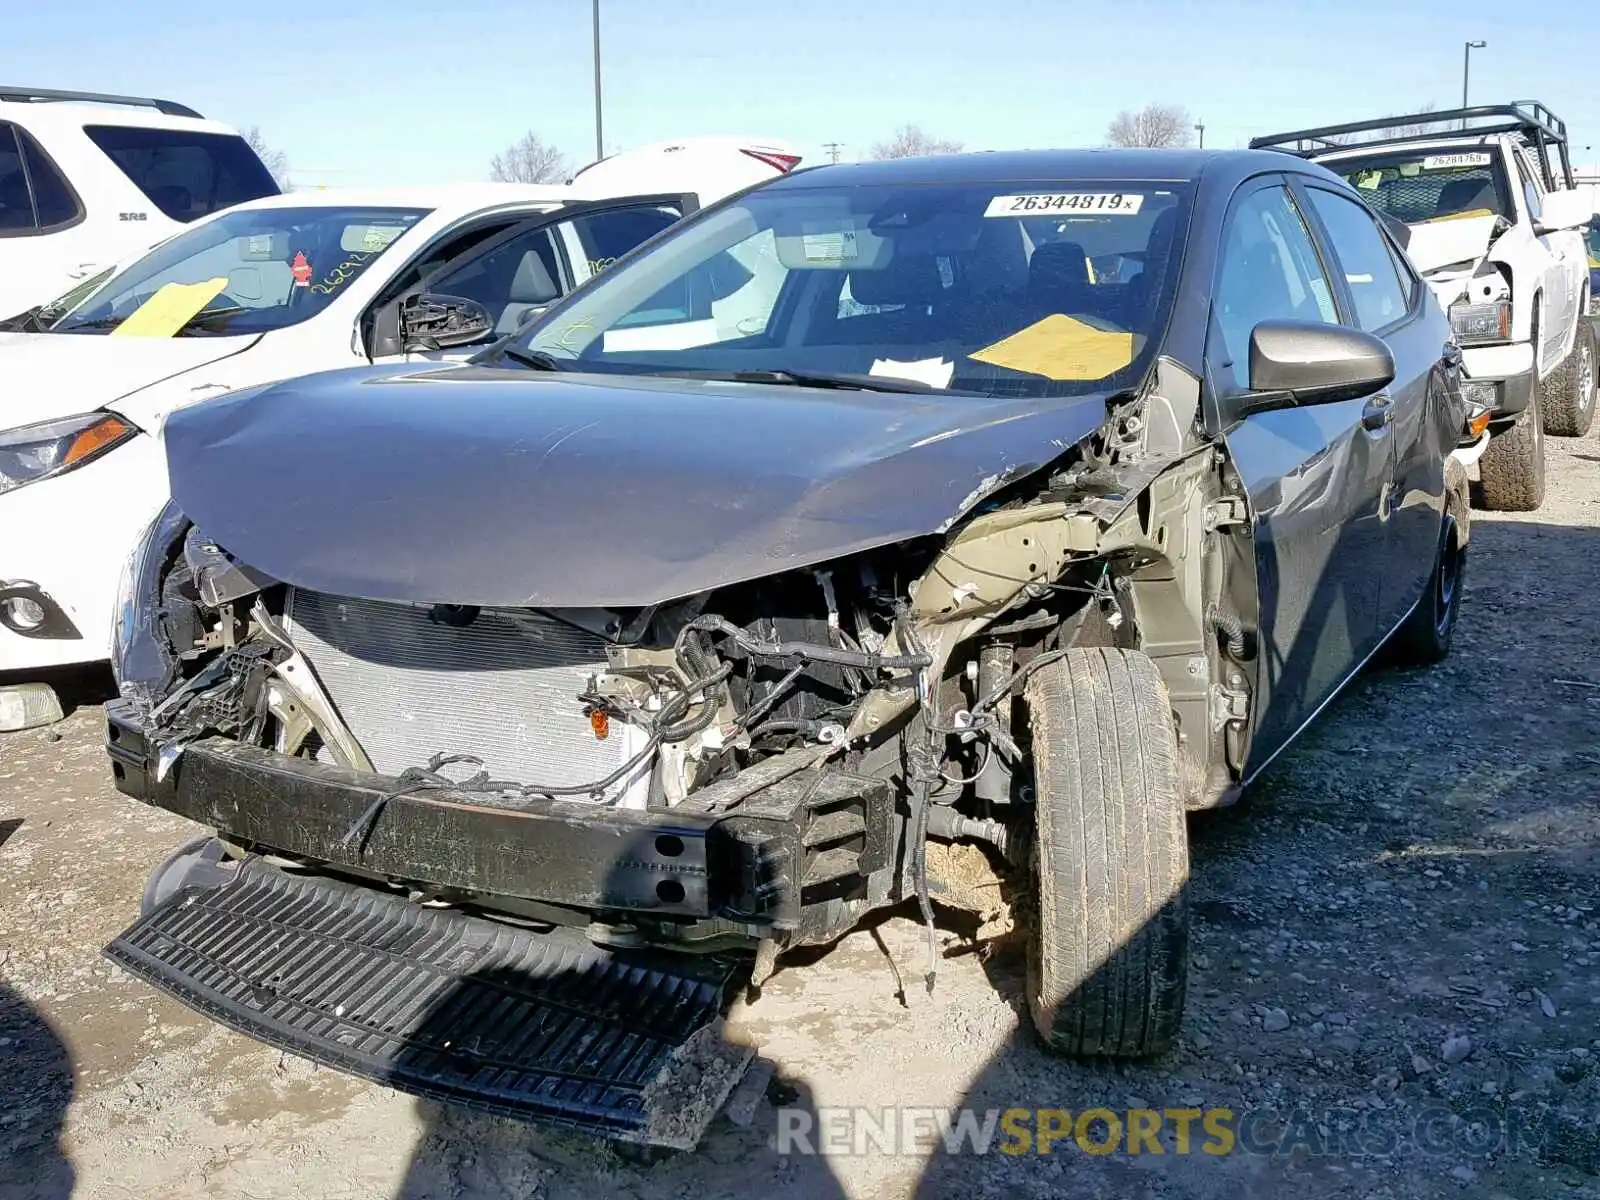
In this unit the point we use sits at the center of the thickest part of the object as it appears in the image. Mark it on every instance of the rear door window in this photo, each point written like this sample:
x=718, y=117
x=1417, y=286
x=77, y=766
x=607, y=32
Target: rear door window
x=16, y=205
x=186, y=174
x=53, y=199
x=34, y=196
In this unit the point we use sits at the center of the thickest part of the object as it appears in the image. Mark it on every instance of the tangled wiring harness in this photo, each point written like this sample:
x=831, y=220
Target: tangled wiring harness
x=705, y=679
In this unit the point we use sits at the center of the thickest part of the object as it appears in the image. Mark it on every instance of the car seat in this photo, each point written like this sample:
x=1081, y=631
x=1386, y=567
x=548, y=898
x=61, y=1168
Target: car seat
x=1465, y=195
x=531, y=288
x=1058, y=279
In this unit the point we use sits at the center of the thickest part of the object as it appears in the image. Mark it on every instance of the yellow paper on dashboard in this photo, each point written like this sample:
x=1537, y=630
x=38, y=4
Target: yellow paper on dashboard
x=1061, y=348
x=1471, y=214
x=166, y=312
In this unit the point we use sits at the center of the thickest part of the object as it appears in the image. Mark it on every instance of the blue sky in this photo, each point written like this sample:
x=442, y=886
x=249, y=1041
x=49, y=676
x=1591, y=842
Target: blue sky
x=401, y=91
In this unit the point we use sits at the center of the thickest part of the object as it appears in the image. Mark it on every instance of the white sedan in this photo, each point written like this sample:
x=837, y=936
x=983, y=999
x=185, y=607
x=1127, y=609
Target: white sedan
x=275, y=288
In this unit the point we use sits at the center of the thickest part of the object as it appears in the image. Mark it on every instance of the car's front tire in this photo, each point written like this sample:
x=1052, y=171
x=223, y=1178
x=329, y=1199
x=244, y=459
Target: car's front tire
x=1567, y=393
x=1511, y=471
x=1424, y=638
x=1108, y=949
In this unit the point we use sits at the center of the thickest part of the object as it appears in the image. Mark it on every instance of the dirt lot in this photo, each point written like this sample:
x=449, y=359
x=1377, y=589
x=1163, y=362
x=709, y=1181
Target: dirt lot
x=1395, y=986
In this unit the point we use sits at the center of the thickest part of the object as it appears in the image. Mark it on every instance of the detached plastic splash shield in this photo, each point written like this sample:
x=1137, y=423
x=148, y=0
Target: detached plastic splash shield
x=456, y=1008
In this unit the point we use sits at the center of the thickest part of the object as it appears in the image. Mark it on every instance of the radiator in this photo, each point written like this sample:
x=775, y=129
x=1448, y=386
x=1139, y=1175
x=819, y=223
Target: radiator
x=503, y=688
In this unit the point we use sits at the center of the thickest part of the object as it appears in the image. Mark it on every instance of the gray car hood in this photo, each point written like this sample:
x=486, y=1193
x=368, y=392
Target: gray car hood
x=482, y=486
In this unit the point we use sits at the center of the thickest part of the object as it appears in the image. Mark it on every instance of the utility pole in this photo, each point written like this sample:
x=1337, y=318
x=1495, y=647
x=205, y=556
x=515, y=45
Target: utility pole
x=1466, y=72
x=833, y=151
x=1200, y=128
x=599, y=126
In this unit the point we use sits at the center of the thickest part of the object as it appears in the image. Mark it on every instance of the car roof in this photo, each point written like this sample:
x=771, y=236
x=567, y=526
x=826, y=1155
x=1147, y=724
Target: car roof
x=75, y=114
x=459, y=197
x=1163, y=166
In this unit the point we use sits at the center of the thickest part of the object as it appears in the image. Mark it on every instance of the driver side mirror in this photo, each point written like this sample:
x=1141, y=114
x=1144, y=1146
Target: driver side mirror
x=437, y=322
x=1566, y=209
x=1306, y=362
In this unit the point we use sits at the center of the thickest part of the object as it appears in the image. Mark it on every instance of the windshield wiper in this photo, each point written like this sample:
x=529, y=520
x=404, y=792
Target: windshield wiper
x=843, y=381
x=208, y=315
x=24, y=322
x=536, y=360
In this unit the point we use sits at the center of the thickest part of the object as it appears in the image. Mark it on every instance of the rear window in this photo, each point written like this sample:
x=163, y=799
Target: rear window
x=186, y=174
x=1431, y=185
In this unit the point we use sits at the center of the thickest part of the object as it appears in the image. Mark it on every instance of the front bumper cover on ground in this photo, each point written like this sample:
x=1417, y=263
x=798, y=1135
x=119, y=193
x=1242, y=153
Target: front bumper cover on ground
x=514, y=1021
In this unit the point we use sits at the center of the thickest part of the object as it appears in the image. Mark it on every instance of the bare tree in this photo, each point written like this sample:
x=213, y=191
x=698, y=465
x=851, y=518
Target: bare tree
x=910, y=142
x=1154, y=125
x=276, y=161
x=529, y=160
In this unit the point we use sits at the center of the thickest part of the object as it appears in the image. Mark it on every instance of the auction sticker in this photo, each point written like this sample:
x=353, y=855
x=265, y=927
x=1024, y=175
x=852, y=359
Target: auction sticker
x=829, y=247
x=1449, y=162
x=1107, y=203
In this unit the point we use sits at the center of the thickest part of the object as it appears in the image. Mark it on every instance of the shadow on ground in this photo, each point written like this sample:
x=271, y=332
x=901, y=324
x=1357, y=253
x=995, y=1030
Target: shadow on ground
x=33, y=1165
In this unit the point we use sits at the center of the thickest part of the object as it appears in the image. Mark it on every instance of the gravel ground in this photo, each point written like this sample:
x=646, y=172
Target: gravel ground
x=1394, y=990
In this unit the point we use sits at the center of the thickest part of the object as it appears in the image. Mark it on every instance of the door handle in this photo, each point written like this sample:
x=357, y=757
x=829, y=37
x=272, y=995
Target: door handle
x=1377, y=414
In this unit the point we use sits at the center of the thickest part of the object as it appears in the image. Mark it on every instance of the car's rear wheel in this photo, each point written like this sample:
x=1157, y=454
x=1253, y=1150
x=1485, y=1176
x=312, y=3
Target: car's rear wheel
x=1425, y=636
x=1567, y=393
x=1511, y=471
x=1108, y=948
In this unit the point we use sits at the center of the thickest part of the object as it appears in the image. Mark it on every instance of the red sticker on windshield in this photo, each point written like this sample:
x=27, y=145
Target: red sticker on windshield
x=300, y=269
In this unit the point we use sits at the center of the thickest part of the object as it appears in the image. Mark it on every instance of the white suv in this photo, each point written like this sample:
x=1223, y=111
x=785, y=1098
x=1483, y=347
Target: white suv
x=88, y=179
x=1496, y=228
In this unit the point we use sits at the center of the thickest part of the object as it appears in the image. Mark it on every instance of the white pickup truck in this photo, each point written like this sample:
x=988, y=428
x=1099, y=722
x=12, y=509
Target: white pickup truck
x=1496, y=228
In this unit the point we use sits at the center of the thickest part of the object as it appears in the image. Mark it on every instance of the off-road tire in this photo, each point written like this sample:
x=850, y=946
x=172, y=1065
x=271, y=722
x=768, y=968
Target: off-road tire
x=1424, y=638
x=1511, y=471
x=1108, y=948
x=1567, y=393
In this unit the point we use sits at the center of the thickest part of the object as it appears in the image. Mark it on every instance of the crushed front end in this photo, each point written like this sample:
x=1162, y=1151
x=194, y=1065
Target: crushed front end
x=520, y=858
x=560, y=797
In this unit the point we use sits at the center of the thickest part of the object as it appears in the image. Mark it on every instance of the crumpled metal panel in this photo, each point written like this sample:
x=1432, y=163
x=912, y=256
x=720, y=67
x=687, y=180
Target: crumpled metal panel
x=499, y=487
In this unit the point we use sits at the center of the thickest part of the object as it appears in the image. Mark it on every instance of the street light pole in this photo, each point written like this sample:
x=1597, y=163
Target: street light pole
x=599, y=126
x=1200, y=128
x=1466, y=70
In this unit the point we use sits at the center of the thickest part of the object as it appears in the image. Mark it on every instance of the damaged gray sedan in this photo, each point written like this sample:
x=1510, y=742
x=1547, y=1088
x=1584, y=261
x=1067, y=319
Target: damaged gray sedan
x=934, y=532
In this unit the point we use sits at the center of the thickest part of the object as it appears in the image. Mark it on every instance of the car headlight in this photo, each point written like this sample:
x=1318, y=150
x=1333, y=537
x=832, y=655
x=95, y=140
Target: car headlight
x=33, y=452
x=1478, y=323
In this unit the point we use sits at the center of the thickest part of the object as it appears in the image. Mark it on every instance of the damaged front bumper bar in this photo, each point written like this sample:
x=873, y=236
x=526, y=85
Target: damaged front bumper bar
x=806, y=838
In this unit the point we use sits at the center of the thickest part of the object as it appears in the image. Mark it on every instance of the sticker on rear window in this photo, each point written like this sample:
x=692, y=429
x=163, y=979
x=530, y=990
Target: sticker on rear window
x=1107, y=203
x=1449, y=162
x=829, y=247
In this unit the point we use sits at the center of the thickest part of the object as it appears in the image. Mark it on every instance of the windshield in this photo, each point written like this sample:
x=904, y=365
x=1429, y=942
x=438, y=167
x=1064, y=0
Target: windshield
x=1431, y=185
x=247, y=271
x=998, y=288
